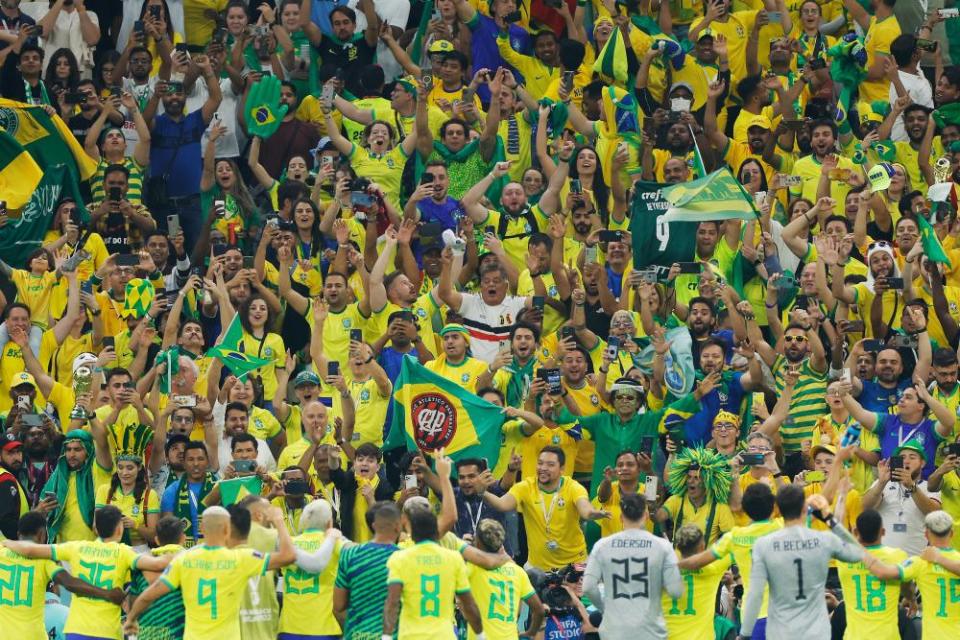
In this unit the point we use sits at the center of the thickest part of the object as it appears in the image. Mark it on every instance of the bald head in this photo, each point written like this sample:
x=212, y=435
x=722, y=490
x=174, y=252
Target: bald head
x=215, y=525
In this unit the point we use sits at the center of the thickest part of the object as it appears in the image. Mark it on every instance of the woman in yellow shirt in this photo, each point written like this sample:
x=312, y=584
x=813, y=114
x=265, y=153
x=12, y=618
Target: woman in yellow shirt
x=34, y=284
x=255, y=317
x=130, y=492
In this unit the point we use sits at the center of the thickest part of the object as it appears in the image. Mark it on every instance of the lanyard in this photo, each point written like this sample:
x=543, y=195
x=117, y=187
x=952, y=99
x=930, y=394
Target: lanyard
x=548, y=513
x=909, y=435
x=333, y=497
x=28, y=93
x=474, y=522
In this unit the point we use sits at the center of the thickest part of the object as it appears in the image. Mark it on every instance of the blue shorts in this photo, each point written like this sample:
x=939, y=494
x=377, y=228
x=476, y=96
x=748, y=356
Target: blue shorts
x=759, y=630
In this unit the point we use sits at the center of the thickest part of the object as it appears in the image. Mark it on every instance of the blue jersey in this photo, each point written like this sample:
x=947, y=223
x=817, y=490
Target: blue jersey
x=880, y=399
x=728, y=396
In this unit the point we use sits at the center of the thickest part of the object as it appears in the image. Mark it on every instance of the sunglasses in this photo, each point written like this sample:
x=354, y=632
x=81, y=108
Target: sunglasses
x=789, y=339
x=724, y=426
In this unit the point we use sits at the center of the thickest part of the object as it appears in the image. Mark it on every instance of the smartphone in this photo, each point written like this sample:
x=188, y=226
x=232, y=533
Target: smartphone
x=31, y=419
x=896, y=462
x=814, y=476
x=751, y=459
x=128, y=260
x=854, y=326
x=184, y=401
x=613, y=347
x=248, y=262
x=590, y=254
x=794, y=123
x=138, y=27
x=427, y=178
x=220, y=248
x=607, y=236
x=489, y=229
x=926, y=45
x=689, y=267
x=568, y=80
x=410, y=481
x=295, y=487
x=552, y=378
x=109, y=341
x=650, y=488
x=774, y=16
x=817, y=64
x=568, y=333
x=75, y=97
x=361, y=199
x=539, y=302
x=949, y=13
x=679, y=105
x=219, y=208
x=895, y=283
x=49, y=495
x=181, y=47
x=785, y=282
x=173, y=225
x=873, y=345
x=901, y=341
x=845, y=375
x=155, y=11
x=953, y=449
x=646, y=445
x=244, y=466
x=356, y=335
x=576, y=186
x=327, y=93
x=333, y=368
x=116, y=194
x=513, y=16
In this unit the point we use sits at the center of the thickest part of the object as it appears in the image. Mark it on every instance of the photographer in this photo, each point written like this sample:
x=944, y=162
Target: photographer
x=561, y=592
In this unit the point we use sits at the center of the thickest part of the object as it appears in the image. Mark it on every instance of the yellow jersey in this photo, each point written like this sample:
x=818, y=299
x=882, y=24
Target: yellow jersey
x=336, y=332
x=950, y=501
x=74, y=528
x=613, y=524
x=737, y=544
x=308, y=597
x=871, y=603
x=466, y=374
x=940, y=592
x=263, y=424
x=270, y=348
x=681, y=510
x=212, y=581
x=370, y=411
x=34, y=291
x=552, y=319
x=22, y=594
x=424, y=308
x=385, y=169
x=131, y=507
x=11, y=363
x=880, y=35
x=691, y=615
x=552, y=522
x=863, y=298
x=431, y=577
x=102, y=564
x=498, y=593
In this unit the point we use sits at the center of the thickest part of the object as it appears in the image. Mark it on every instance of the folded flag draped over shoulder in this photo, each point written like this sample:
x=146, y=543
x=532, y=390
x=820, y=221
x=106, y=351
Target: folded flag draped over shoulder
x=931, y=244
x=432, y=413
x=19, y=172
x=718, y=196
x=230, y=351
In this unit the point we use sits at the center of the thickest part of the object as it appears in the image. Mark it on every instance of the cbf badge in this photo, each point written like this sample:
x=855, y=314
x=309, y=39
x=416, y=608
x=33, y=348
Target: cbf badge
x=136, y=510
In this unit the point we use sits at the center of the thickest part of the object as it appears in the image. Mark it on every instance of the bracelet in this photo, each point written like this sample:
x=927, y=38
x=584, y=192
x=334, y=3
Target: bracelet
x=779, y=474
x=368, y=360
x=770, y=306
x=604, y=371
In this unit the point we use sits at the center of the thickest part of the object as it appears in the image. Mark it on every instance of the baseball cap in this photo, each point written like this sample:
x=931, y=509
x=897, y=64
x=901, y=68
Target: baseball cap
x=10, y=442
x=822, y=448
x=879, y=176
x=441, y=46
x=306, y=377
x=759, y=120
x=21, y=379
x=911, y=445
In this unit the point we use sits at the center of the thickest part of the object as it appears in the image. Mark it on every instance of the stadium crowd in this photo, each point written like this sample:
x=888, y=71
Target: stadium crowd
x=466, y=319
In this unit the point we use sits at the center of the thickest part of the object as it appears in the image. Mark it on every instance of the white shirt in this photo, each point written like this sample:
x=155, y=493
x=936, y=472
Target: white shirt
x=265, y=457
x=902, y=519
x=393, y=12
x=229, y=144
x=489, y=325
x=131, y=13
x=919, y=89
x=66, y=34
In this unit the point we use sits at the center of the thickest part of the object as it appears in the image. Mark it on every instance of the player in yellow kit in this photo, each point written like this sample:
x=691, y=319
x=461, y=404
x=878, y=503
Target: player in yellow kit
x=22, y=592
x=871, y=603
x=212, y=578
x=736, y=544
x=426, y=579
x=104, y=563
x=937, y=574
x=691, y=615
x=308, y=585
x=500, y=591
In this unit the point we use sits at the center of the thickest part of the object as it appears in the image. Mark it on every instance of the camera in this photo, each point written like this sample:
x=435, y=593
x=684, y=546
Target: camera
x=553, y=594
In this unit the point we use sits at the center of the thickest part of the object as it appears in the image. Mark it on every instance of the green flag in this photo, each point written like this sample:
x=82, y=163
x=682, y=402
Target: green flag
x=19, y=172
x=658, y=244
x=718, y=196
x=21, y=236
x=432, y=413
x=236, y=489
x=611, y=62
x=931, y=244
x=170, y=359
x=230, y=351
x=47, y=139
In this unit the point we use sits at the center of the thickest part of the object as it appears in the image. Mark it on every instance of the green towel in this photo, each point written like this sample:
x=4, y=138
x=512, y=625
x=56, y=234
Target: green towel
x=59, y=483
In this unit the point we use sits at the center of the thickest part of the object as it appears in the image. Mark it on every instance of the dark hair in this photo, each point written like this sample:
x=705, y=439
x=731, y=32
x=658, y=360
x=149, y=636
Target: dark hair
x=169, y=530
x=944, y=357
x=557, y=451
x=236, y=406
x=763, y=174
x=917, y=107
x=758, y=501
x=29, y=46
x=540, y=239
x=633, y=507
x=116, y=168
x=529, y=327
x=407, y=459
x=457, y=121
x=571, y=53
x=117, y=371
x=140, y=488
x=244, y=312
x=790, y=501
x=196, y=444
x=368, y=450
x=240, y=438
x=73, y=79
x=747, y=86
x=372, y=78
x=714, y=342
x=469, y=462
x=601, y=192
x=15, y=305
x=825, y=123
x=106, y=519
x=291, y=190
x=423, y=525
x=458, y=56
x=493, y=390
x=42, y=253
x=385, y=511
x=701, y=300
x=836, y=218
x=346, y=11
x=239, y=520
x=903, y=47
x=175, y=438
x=30, y=524
x=166, y=16
x=869, y=524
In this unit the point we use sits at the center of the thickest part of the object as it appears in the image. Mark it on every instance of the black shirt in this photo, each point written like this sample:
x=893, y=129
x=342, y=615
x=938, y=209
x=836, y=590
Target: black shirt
x=350, y=57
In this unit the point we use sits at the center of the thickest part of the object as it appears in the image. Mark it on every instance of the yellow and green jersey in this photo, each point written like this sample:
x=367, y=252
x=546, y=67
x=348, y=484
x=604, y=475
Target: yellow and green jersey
x=308, y=597
x=23, y=583
x=691, y=615
x=738, y=545
x=940, y=592
x=498, y=593
x=431, y=576
x=871, y=603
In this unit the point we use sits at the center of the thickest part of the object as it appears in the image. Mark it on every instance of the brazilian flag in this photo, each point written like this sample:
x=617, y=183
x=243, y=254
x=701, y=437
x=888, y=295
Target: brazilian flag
x=931, y=244
x=230, y=351
x=432, y=413
x=234, y=490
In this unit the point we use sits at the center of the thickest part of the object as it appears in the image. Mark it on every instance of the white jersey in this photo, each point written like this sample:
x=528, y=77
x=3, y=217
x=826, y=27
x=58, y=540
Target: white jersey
x=489, y=325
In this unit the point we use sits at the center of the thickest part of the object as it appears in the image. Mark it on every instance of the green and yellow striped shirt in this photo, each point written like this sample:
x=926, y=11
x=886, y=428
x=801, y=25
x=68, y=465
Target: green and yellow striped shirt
x=807, y=405
x=134, y=184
